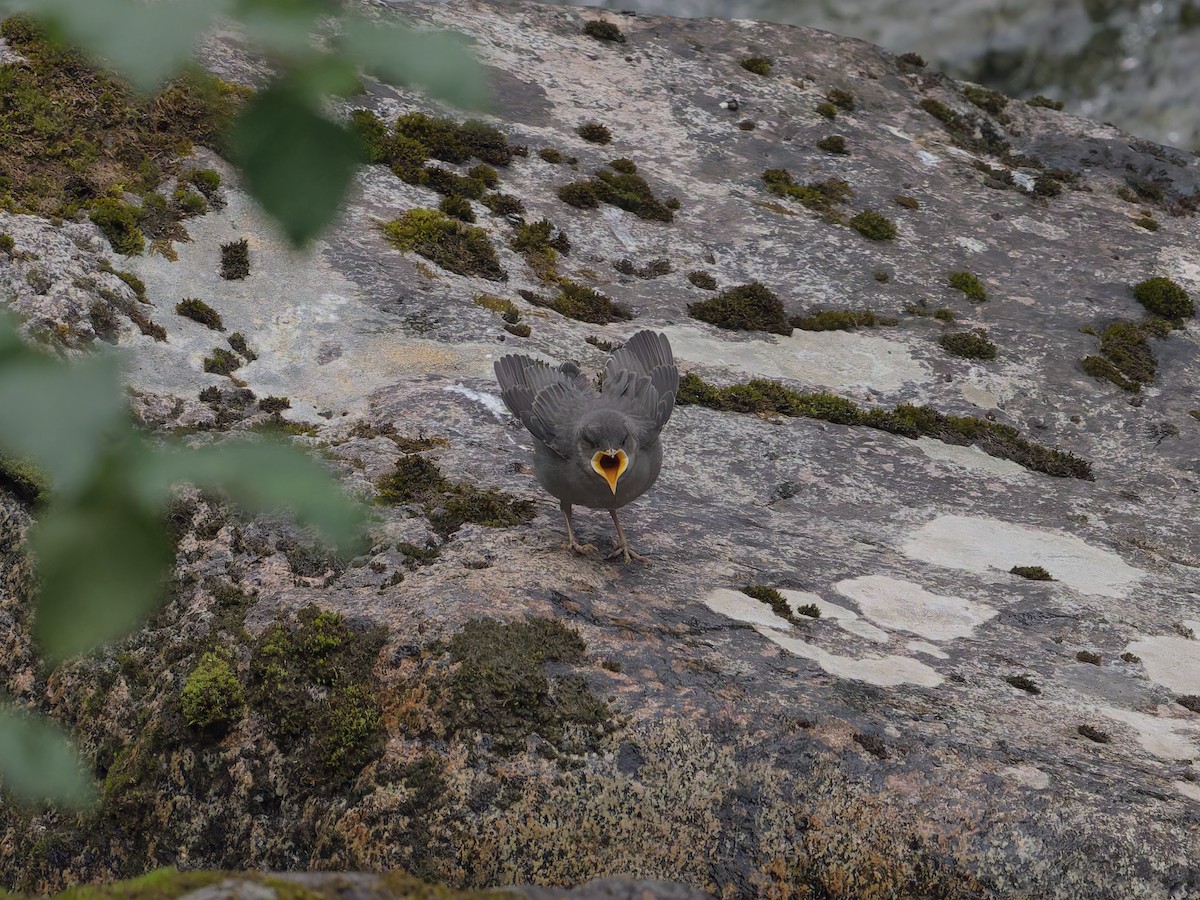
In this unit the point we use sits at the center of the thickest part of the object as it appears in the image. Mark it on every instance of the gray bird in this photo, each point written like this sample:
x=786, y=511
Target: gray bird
x=595, y=448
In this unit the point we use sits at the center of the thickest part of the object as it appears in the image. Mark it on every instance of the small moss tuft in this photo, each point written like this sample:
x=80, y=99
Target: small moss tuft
x=1033, y=573
x=968, y=344
x=773, y=599
x=550, y=155
x=968, y=284
x=29, y=483
x=1126, y=358
x=222, y=362
x=1095, y=734
x=485, y=174
x=199, y=311
x=604, y=31
x=238, y=342
x=874, y=225
x=747, y=307
x=986, y=99
x=834, y=143
x=235, y=260
x=119, y=223
x=1165, y=298
x=759, y=65
x=594, y=132
x=458, y=208
x=206, y=181
x=452, y=245
x=819, y=196
x=1087, y=656
x=906, y=201
x=1024, y=683
x=1147, y=222
x=841, y=99
x=579, y=194
x=913, y=59
x=938, y=110
x=624, y=165
x=501, y=305
x=503, y=204
x=446, y=504
x=579, y=302
x=212, y=696
x=702, y=280
x=827, y=109
x=1045, y=102
x=8, y=245
x=274, y=404
x=840, y=320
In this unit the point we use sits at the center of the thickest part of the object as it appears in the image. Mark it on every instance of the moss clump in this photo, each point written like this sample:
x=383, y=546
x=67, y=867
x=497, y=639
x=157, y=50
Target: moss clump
x=235, y=260
x=968, y=284
x=1094, y=734
x=457, y=208
x=579, y=302
x=759, y=65
x=501, y=305
x=1033, y=573
x=579, y=194
x=448, y=505
x=238, y=342
x=747, y=307
x=313, y=682
x=518, y=329
x=450, y=184
x=28, y=482
x=874, y=225
x=986, y=99
x=702, y=280
x=448, y=141
x=222, y=362
x=1147, y=222
x=594, y=133
x=1086, y=656
x=906, y=201
x=834, y=143
x=624, y=165
x=827, y=109
x=1045, y=102
x=503, y=204
x=8, y=245
x=763, y=396
x=841, y=99
x=450, y=244
x=502, y=689
x=840, y=320
x=540, y=243
x=414, y=478
x=119, y=222
x=190, y=203
x=604, y=31
x=486, y=174
x=212, y=695
x=550, y=155
x=939, y=110
x=1165, y=298
x=655, y=268
x=199, y=311
x=1024, y=683
x=968, y=344
x=206, y=181
x=274, y=404
x=819, y=196
x=913, y=59
x=1126, y=358
x=809, y=609
x=773, y=599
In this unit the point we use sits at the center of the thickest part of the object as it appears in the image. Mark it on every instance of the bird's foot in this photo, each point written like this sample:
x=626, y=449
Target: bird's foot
x=629, y=555
x=581, y=549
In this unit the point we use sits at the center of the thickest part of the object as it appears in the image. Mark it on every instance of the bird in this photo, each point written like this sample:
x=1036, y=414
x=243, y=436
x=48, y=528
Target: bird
x=596, y=447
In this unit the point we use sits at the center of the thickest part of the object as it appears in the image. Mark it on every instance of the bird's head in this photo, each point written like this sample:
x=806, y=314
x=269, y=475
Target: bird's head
x=607, y=446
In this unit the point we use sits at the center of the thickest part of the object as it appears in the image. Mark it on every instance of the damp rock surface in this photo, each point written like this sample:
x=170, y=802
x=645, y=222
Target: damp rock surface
x=934, y=731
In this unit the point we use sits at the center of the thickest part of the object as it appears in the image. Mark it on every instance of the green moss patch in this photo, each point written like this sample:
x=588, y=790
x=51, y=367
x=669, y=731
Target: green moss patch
x=840, y=320
x=772, y=598
x=212, y=696
x=827, y=109
x=199, y=311
x=621, y=188
x=594, y=133
x=1126, y=358
x=1002, y=441
x=222, y=362
x=72, y=136
x=747, y=307
x=1045, y=102
x=874, y=225
x=502, y=688
x=451, y=142
x=969, y=284
x=819, y=196
x=702, y=280
x=449, y=505
x=604, y=31
x=312, y=680
x=457, y=208
x=452, y=245
x=835, y=144
x=235, y=260
x=759, y=65
x=986, y=99
x=1165, y=298
x=842, y=99
x=582, y=303
x=28, y=482
x=968, y=344
x=655, y=268
x=906, y=201
x=971, y=132
x=119, y=222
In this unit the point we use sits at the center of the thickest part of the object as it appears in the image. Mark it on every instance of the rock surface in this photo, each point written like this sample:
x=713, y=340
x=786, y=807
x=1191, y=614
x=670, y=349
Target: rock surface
x=943, y=728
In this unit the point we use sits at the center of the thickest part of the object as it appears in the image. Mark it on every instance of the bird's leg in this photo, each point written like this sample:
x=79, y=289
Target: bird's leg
x=624, y=548
x=571, y=542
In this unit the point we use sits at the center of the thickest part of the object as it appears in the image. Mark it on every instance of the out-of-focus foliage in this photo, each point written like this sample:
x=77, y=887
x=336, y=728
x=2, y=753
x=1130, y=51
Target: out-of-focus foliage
x=297, y=163
x=102, y=554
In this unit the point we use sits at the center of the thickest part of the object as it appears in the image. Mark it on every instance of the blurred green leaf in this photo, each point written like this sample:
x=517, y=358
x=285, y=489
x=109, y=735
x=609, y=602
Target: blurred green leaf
x=263, y=477
x=58, y=416
x=439, y=61
x=36, y=761
x=145, y=42
x=297, y=164
x=325, y=75
x=102, y=558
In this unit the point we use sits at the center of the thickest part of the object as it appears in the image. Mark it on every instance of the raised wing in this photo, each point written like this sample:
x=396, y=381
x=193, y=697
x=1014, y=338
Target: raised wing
x=547, y=400
x=646, y=355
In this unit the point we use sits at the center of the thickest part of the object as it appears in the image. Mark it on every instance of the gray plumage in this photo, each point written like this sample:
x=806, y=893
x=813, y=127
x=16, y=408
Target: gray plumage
x=581, y=433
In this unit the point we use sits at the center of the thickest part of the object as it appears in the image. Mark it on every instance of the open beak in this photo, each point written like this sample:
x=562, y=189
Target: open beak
x=610, y=465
